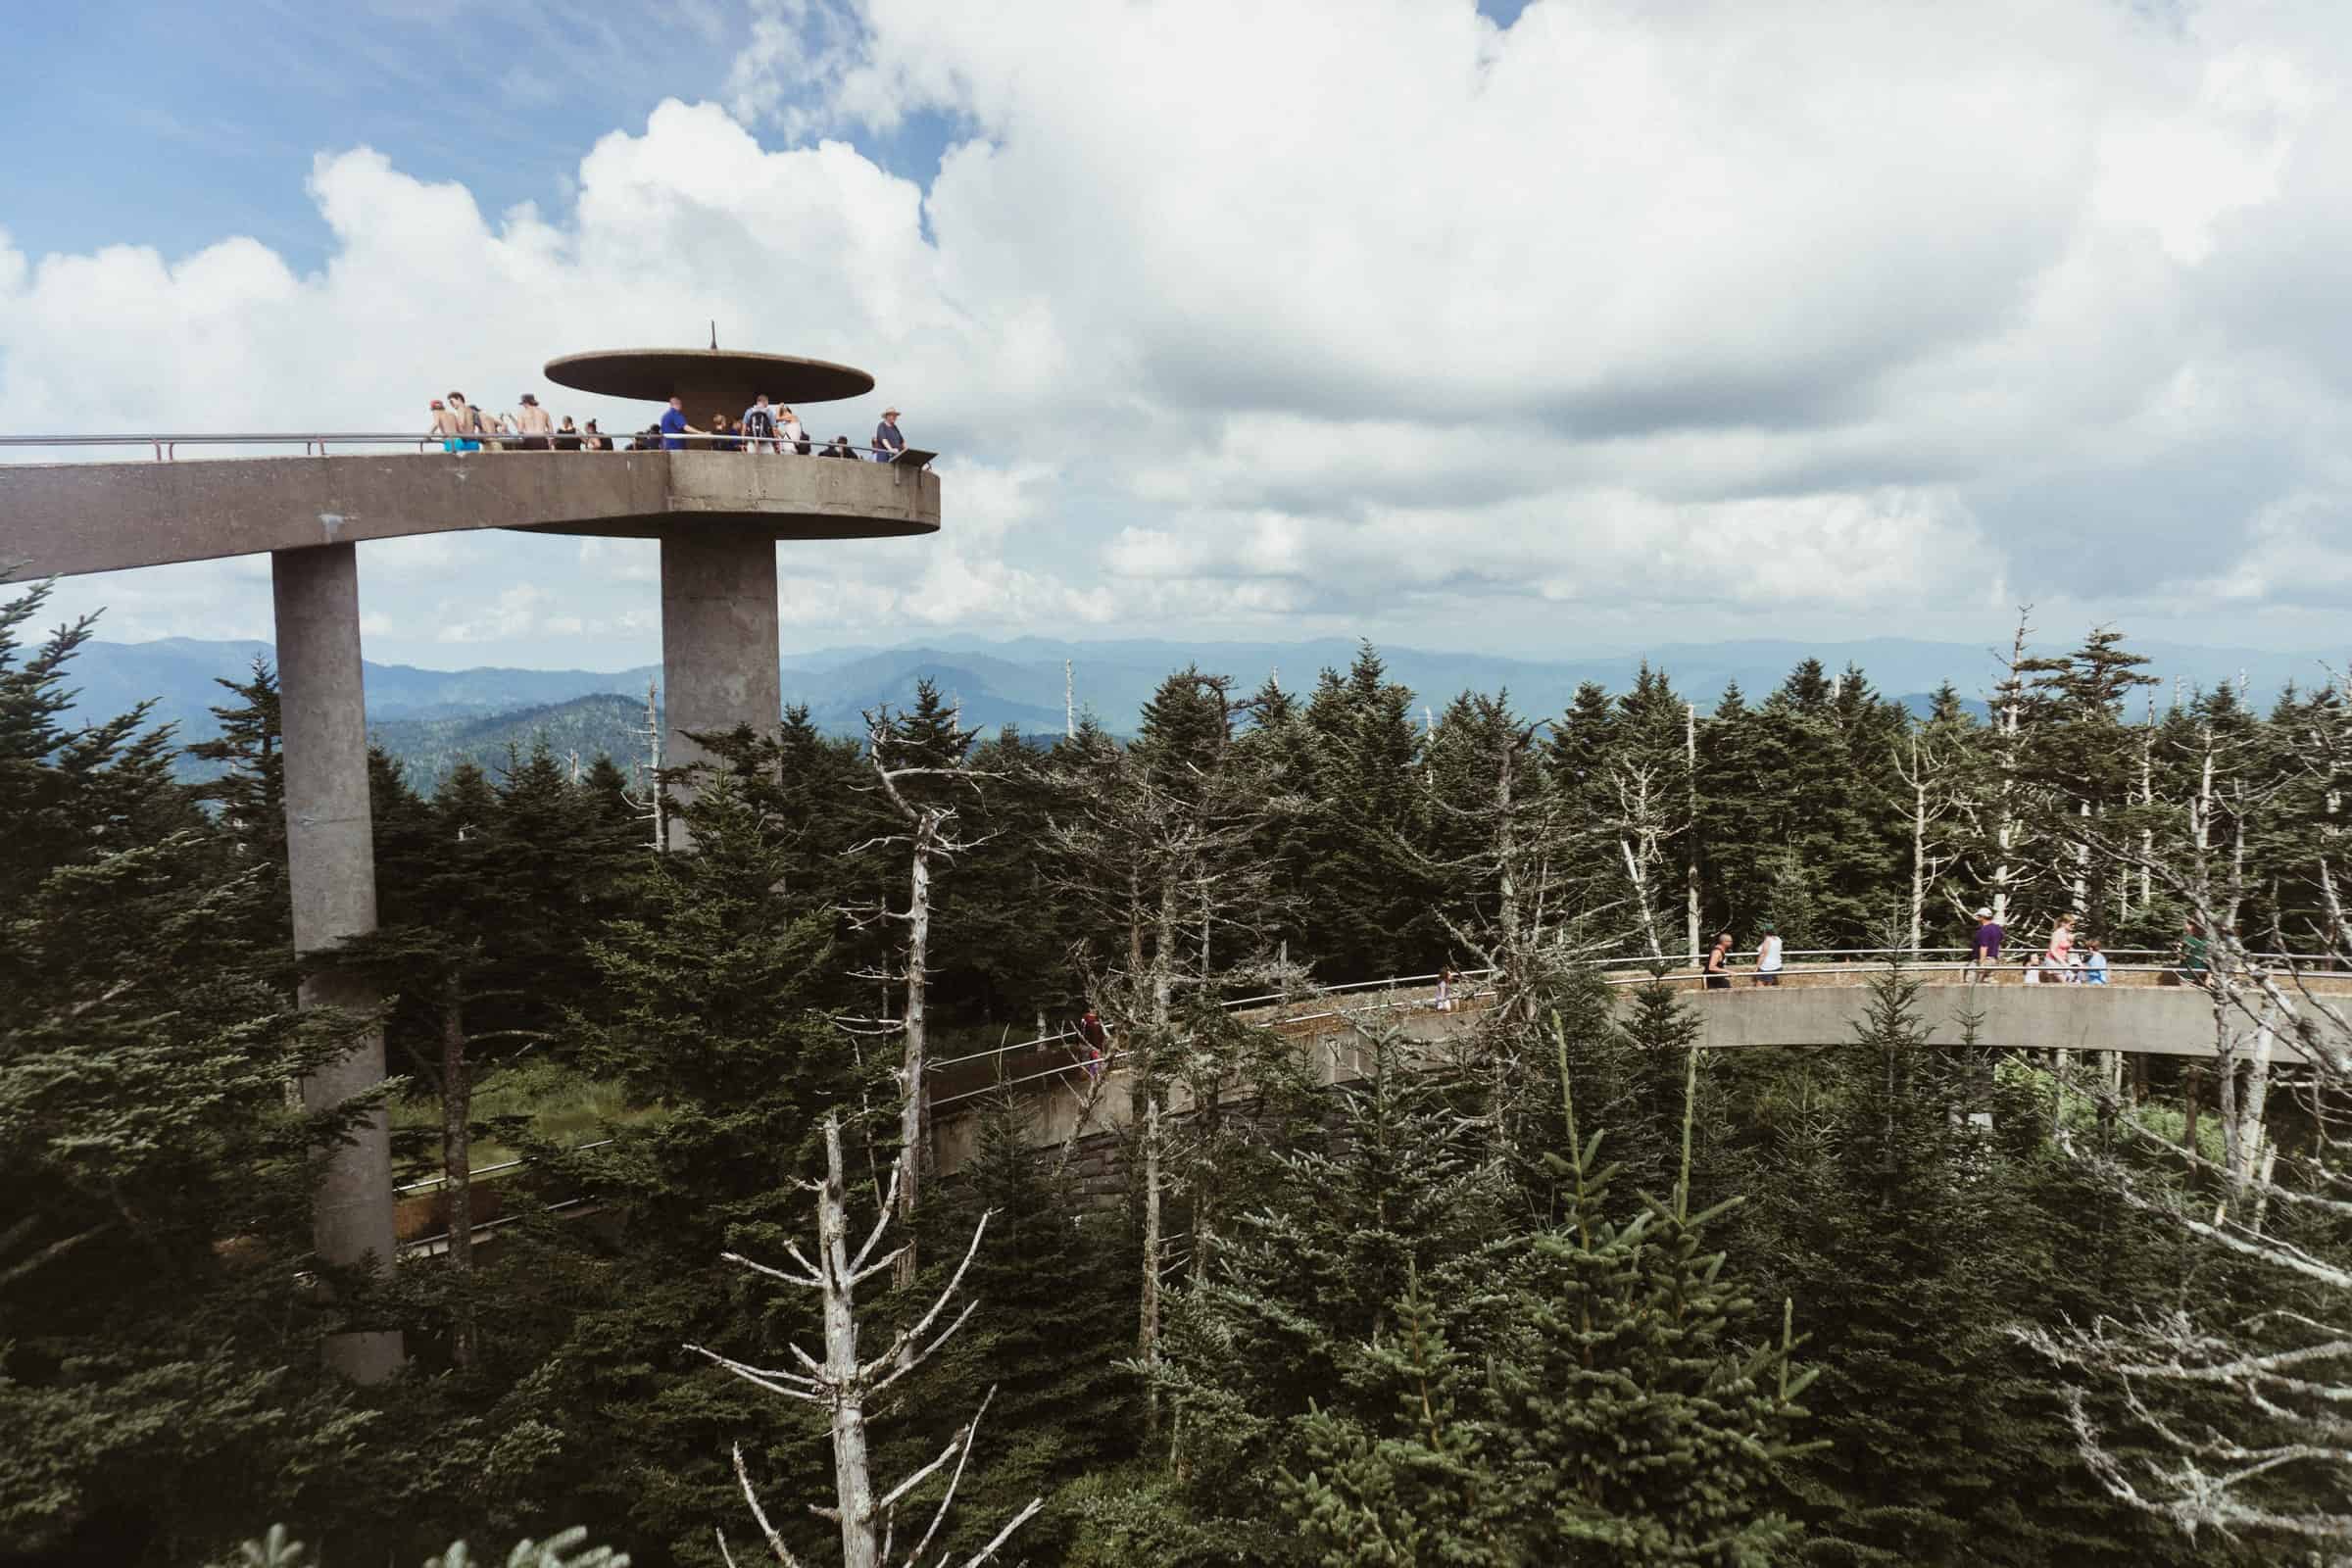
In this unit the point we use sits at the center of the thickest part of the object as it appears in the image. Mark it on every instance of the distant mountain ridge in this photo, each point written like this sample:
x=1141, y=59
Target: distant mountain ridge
x=430, y=716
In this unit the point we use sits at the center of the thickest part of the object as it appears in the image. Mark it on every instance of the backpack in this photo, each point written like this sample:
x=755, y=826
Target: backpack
x=759, y=422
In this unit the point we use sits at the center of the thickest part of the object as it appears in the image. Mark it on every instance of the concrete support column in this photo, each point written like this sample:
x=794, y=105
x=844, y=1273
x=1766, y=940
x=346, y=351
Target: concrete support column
x=330, y=854
x=719, y=647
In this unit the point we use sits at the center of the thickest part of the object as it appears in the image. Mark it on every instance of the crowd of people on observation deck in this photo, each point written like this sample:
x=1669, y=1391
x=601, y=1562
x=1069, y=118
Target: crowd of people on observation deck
x=2068, y=959
x=764, y=427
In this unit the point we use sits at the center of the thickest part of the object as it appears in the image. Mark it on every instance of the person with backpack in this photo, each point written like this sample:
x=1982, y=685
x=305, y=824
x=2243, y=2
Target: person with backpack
x=760, y=426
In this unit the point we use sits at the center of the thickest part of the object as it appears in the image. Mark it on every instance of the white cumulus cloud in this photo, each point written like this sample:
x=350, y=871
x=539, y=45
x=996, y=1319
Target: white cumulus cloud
x=1286, y=319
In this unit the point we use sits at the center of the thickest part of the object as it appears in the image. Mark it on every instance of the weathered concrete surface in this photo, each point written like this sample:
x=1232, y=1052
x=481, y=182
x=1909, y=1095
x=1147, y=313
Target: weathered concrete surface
x=2141, y=1020
x=719, y=647
x=67, y=518
x=2137, y=1020
x=330, y=853
x=789, y=496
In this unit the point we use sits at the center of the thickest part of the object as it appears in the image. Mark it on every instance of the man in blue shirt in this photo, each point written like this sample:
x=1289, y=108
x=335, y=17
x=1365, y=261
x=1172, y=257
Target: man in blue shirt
x=1990, y=937
x=674, y=426
x=888, y=443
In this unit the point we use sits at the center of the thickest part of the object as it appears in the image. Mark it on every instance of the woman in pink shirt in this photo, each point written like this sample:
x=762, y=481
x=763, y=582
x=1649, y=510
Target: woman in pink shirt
x=2062, y=945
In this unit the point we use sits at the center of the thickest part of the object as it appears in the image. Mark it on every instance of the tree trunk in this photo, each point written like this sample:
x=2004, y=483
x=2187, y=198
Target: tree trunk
x=2246, y=1157
x=1919, y=847
x=1506, y=847
x=1147, y=1335
x=2004, y=835
x=456, y=1164
x=915, y=1111
x=1636, y=875
x=2191, y=1103
x=852, y=1479
x=2147, y=797
x=1691, y=854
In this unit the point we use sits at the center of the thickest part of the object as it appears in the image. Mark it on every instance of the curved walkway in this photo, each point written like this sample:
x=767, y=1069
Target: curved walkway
x=2143, y=1010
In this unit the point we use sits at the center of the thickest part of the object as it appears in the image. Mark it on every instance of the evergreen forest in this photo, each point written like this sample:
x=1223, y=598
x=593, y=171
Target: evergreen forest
x=1561, y=1290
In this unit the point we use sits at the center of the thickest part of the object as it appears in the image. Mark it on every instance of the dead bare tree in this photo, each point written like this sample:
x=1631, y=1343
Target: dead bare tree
x=1534, y=910
x=844, y=1385
x=1925, y=769
x=1643, y=824
x=1994, y=804
x=932, y=840
x=647, y=797
x=2264, y=1458
x=1165, y=850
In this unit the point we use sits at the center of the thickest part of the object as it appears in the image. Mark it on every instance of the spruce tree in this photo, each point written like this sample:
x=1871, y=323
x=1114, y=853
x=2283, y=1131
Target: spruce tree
x=157, y=1380
x=714, y=987
x=1369, y=913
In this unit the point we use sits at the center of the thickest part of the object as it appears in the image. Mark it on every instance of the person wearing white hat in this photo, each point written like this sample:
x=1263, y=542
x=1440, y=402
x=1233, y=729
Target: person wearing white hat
x=1990, y=937
x=888, y=443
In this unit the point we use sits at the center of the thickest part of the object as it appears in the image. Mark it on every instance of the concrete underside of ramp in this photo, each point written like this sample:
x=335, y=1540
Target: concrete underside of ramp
x=2143, y=1020
x=66, y=519
x=2138, y=1020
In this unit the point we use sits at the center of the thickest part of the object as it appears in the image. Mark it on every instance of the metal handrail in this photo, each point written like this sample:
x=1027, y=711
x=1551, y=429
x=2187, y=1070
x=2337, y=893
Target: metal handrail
x=316, y=443
x=1675, y=966
x=480, y=1171
x=1470, y=993
x=1682, y=980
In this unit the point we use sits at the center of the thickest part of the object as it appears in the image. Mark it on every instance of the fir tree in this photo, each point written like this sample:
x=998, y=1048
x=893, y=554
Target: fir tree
x=158, y=1382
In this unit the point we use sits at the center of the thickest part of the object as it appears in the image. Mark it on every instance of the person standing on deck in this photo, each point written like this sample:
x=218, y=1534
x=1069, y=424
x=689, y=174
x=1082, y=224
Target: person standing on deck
x=674, y=428
x=1718, y=962
x=450, y=426
x=1990, y=937
x=760, y=426
x=536, y=428
x=1768, y=957
x=2061, y=955
x=1446, y=980
x=888, y=443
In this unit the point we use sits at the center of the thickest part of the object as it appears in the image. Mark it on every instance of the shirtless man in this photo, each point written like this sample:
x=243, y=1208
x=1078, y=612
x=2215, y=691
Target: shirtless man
x=534, y=424
x=455, y=423
x=490, y=426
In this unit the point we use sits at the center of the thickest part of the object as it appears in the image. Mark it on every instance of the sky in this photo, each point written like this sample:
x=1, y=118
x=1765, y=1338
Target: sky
x=1537, y=331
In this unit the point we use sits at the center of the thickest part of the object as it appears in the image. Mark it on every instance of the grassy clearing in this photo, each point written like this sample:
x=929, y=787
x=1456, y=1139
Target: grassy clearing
x=546, y=1098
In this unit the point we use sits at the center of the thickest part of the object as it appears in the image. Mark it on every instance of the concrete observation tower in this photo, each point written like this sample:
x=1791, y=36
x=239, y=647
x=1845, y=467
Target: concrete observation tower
x=719, y=516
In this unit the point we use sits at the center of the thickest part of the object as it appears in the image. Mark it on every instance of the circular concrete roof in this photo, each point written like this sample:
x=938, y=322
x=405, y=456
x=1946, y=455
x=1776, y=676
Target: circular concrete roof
x=708, y=379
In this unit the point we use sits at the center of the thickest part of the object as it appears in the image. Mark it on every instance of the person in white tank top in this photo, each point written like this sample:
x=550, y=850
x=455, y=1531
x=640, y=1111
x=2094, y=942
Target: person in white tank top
x=1768, y=957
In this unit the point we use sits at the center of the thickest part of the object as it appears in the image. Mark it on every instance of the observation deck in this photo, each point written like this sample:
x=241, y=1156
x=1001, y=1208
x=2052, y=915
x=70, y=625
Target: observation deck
x=67, y=518
x=719, y=514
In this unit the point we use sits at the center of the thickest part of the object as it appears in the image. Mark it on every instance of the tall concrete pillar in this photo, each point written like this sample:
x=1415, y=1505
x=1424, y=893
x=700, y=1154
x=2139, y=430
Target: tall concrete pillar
x=330, y=854
x=719, y=647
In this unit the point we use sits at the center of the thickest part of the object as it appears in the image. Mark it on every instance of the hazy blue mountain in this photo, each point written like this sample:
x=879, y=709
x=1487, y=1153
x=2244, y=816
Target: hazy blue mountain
x=1019, y=681
x=583, y=730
